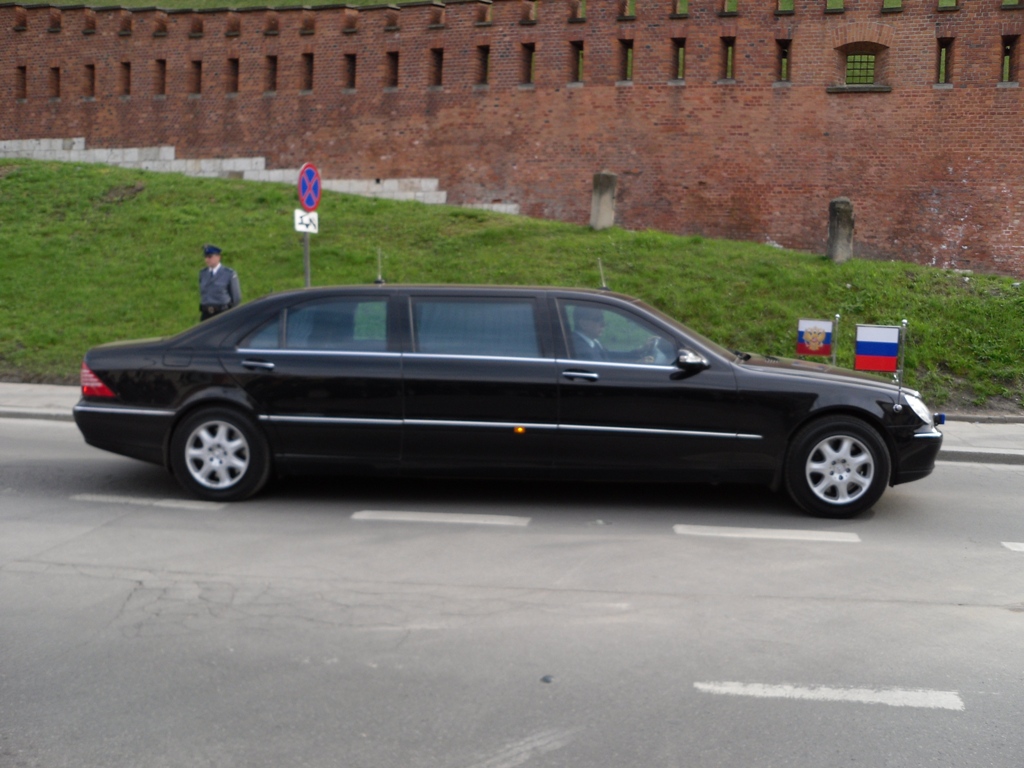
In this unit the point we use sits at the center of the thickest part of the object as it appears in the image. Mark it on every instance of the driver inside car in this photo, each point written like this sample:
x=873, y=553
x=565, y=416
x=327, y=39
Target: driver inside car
x=588, y=324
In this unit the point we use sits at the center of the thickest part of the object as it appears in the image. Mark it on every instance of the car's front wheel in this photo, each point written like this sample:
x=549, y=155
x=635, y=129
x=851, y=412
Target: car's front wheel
x=837, y=467
x=220, y=455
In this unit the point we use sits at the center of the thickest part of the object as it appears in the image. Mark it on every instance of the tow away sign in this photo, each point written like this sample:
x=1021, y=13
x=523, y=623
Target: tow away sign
x=306, y=221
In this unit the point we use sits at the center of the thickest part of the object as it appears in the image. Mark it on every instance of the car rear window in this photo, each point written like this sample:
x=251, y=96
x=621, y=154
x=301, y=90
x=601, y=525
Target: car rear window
x=344, y=325
x=492, y=327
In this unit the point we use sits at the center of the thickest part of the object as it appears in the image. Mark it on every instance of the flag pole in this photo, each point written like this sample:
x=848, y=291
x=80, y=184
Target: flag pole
x=835, y=340
x=899, y=369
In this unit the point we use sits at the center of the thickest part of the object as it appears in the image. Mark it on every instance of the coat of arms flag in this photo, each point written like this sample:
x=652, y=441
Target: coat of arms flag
x=814, y=337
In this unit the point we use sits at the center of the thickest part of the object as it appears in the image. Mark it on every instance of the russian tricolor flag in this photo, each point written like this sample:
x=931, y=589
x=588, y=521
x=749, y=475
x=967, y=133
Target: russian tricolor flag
x=878, y=348
x=814, y=337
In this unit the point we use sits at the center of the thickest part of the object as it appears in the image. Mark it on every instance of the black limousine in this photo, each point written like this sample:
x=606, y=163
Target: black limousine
x=489, y=381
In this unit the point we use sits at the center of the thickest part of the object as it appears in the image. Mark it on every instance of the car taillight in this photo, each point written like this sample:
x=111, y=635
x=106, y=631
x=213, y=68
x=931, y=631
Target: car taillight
x=92, y=386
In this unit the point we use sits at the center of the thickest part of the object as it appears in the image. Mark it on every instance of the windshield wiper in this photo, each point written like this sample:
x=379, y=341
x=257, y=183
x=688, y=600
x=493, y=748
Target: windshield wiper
x=744, y=356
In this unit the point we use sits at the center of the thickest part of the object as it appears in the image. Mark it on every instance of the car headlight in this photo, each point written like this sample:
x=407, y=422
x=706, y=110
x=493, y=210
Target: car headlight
x=917, y=406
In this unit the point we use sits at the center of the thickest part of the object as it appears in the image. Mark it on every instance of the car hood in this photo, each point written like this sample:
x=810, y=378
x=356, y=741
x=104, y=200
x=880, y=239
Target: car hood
x=814, y=370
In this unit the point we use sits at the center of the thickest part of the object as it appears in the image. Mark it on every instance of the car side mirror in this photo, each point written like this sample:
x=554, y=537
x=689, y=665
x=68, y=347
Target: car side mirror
x=690, y=362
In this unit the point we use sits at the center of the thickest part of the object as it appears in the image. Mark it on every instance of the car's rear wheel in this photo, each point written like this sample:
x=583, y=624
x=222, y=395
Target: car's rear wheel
x=220, y=455
x=837, y=467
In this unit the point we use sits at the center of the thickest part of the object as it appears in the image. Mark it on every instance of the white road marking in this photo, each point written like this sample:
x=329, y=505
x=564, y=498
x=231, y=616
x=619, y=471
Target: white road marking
x=893, y=697
x=524, y=750
x=209, y=506
x=764, y=533
x=1015, y=546
x=439, y=517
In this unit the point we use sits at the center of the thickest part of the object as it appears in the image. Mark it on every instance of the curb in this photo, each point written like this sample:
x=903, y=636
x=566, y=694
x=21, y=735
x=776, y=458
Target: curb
x=986, y=418
x=981, y=456
x=35, y=413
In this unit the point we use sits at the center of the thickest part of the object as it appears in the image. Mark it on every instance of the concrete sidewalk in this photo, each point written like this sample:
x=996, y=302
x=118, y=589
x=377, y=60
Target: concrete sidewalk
x=990, y=439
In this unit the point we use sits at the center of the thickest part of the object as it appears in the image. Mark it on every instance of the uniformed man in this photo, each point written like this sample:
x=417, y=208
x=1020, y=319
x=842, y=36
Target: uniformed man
x=218, y=285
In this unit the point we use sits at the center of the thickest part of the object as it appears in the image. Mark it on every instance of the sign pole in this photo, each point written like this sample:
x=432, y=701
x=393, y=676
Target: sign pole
x=309, y=199
x=305, y=256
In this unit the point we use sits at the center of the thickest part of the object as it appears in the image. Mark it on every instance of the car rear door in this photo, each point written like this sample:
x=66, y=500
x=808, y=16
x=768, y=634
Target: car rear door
x=326, y=376
x=479, y=382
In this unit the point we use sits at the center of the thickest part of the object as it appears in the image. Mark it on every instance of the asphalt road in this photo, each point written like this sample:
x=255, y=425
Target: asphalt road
x=393, y=624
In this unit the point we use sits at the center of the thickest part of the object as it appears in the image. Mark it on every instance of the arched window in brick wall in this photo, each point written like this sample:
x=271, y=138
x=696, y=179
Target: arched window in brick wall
x=861, y=66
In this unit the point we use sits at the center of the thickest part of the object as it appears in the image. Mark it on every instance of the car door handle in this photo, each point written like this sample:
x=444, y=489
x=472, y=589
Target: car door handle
x=260, y=364
x=589, y=376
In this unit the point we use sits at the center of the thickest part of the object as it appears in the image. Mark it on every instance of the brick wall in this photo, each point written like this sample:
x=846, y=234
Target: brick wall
x=935, y=171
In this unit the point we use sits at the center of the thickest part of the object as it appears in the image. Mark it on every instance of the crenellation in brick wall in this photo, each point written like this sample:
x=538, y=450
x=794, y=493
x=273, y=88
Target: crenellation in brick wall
x=481, y=96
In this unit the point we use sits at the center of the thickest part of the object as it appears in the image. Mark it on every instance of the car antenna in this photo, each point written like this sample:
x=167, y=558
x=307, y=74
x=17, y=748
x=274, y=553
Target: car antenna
x=380, y=269
x=600, y=269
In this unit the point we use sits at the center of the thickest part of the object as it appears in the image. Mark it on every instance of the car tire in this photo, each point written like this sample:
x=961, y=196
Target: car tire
x=837, y=467
x=219, y=455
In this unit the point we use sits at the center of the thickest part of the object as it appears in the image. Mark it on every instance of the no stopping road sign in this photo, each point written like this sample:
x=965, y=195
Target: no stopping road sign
x=309, y=187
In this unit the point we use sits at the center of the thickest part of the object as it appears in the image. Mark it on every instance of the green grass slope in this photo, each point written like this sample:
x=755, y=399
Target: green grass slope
x=92, y=254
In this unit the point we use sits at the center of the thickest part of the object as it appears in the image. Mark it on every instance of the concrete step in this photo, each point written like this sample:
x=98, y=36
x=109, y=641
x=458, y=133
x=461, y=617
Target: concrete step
x=162, y=159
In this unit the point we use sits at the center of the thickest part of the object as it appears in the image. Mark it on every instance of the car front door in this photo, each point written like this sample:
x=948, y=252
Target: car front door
x=479, y=383
x=325, y=377
x=627, y=407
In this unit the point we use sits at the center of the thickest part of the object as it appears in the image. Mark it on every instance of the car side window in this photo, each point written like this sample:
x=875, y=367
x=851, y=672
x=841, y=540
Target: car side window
x=599, y=332
x=346, y=325
x=268, y=336
x=492, y=328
